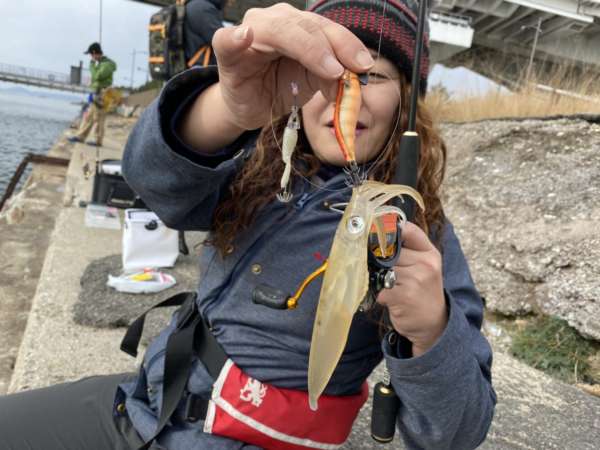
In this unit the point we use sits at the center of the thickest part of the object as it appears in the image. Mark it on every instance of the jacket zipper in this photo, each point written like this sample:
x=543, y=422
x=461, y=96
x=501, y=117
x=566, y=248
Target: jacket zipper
x=302, y=200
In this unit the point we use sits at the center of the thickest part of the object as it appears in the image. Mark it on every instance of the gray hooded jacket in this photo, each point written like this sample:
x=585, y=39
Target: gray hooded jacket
x=447, y=400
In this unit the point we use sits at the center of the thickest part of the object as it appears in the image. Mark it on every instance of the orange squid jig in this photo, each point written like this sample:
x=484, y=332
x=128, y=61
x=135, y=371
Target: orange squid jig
x=345, y=118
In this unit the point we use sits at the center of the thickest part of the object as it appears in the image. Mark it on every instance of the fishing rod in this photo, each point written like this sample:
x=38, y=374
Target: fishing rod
x=381, y=270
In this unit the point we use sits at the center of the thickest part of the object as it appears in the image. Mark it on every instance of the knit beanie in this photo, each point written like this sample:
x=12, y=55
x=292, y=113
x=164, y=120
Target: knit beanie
x=398, y=18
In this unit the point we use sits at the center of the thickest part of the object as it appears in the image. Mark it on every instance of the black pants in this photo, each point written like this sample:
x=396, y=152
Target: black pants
x=70, y=416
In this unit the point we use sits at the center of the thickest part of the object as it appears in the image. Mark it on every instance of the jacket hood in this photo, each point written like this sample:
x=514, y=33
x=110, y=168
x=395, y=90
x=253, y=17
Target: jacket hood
x=217, y=3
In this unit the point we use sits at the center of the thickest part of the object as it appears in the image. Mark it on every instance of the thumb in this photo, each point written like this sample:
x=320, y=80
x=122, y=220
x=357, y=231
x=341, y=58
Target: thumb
x=229, y=44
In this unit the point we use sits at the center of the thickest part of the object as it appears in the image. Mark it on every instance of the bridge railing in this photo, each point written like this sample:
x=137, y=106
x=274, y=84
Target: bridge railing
x=38, y=74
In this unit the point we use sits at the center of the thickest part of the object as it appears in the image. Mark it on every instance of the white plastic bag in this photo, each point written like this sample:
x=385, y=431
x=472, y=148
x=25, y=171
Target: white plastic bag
x=147, y=242
x=144, y=282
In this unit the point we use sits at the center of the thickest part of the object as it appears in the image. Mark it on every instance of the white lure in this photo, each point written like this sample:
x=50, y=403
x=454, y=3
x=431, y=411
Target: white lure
x=288, y=145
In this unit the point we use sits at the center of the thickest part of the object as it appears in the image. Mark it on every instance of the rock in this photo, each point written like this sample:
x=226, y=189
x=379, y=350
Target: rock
x=522, y=196
x=533, y=411
x=101, y=306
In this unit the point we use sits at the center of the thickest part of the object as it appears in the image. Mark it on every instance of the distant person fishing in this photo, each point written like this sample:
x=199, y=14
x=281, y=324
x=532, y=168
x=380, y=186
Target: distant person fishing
x=101, y=70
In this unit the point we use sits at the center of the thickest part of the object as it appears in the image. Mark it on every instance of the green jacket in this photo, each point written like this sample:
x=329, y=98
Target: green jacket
x=102, y=73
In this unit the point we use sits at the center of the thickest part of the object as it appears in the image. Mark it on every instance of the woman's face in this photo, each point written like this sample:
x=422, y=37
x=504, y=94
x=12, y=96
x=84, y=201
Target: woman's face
x=380, y=102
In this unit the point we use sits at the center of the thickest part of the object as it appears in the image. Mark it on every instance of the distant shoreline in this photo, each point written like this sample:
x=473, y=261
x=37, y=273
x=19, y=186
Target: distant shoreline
x=19, y=90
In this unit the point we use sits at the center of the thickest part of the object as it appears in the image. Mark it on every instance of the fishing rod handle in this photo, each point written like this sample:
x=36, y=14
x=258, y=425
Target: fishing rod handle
x=407, y=166
x=385, y=410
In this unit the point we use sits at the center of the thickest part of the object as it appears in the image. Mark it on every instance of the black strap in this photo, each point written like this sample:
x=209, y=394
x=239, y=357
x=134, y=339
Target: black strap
x=192, y=335
x=180, y=17
x=178, y=363
x=183, y=248
x=131, y=341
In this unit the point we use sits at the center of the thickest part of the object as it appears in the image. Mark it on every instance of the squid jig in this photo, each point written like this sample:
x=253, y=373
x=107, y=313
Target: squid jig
x=289, y=141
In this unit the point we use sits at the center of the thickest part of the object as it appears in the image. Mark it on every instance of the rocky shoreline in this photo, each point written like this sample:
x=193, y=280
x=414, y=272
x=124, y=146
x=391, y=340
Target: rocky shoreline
x=523, y=197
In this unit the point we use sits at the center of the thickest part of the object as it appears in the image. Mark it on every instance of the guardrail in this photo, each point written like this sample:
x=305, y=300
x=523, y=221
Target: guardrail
x=47, y=76
x=29, y=158
x=454, y=19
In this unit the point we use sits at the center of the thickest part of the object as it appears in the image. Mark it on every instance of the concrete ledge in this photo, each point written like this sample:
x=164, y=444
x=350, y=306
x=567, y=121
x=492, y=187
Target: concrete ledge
x=54, y=347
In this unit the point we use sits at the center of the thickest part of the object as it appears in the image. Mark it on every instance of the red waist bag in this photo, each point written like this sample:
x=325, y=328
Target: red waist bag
x=247, y=410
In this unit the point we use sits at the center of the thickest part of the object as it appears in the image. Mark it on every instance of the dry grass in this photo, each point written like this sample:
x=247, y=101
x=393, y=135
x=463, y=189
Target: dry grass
x=572, y=96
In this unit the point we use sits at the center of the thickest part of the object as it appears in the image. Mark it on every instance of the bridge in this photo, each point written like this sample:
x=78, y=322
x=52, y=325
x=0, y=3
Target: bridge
x=497, y=38
x=45, y=78
x=510, y=34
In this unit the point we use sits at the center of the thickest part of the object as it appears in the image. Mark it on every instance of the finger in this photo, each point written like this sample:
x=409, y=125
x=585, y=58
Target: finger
x=230, y=44
x=386, y=297
x=414, y=238
x=404, y=276
x=310, y=39
x=283, y=31
x=393, y=300
x=328, y=89
x=409, y=257
x=348, y=48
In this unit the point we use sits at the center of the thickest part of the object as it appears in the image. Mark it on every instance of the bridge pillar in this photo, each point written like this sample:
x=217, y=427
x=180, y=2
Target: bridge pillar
x=76, y=72
x=448, y=35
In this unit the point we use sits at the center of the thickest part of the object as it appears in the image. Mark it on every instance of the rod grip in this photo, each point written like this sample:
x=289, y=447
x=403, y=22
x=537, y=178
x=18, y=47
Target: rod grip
x=407, y=167
x=385, y=409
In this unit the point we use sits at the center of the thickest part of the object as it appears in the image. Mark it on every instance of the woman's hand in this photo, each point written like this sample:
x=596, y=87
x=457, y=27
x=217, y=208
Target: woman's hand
x=274, y=46
x=416, y=303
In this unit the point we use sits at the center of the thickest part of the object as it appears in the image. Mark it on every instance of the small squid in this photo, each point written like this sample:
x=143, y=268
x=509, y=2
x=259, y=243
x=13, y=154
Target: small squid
x=288, y=145
x=346, y=280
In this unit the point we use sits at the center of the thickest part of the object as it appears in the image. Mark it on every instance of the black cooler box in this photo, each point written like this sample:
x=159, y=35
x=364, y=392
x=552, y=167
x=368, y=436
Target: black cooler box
x=111, y=189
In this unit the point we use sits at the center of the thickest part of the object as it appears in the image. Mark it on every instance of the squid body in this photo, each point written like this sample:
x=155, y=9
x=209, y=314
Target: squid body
x=346, y=280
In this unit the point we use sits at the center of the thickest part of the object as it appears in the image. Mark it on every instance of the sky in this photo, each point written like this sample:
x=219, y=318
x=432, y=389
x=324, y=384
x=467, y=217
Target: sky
x=53, y=34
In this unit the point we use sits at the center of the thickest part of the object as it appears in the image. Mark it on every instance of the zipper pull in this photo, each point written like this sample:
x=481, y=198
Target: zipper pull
x=302, y=200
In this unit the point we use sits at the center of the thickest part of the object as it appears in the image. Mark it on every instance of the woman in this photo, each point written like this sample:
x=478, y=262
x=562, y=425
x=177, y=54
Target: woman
x=205, y=157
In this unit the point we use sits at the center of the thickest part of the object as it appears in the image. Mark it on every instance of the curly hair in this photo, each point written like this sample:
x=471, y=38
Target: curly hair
x=257, y=183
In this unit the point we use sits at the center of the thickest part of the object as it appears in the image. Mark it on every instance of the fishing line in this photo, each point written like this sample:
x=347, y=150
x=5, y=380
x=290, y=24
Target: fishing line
x=372, y=165
x=294, y=169
x=389, y=143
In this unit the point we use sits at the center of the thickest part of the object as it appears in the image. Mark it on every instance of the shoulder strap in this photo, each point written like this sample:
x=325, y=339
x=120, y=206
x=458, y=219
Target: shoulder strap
x=201, y=51
x=191, y=336
x=131, y=341
x=180, y=11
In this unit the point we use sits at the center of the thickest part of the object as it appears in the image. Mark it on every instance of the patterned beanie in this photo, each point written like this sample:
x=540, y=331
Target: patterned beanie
x=398, y=18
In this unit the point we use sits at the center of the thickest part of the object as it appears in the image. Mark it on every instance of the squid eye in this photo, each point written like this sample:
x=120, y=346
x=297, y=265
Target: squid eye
x=355, y=225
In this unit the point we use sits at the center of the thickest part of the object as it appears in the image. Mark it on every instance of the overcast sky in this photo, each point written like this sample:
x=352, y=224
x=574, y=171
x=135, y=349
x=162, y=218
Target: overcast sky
x=53, y=34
